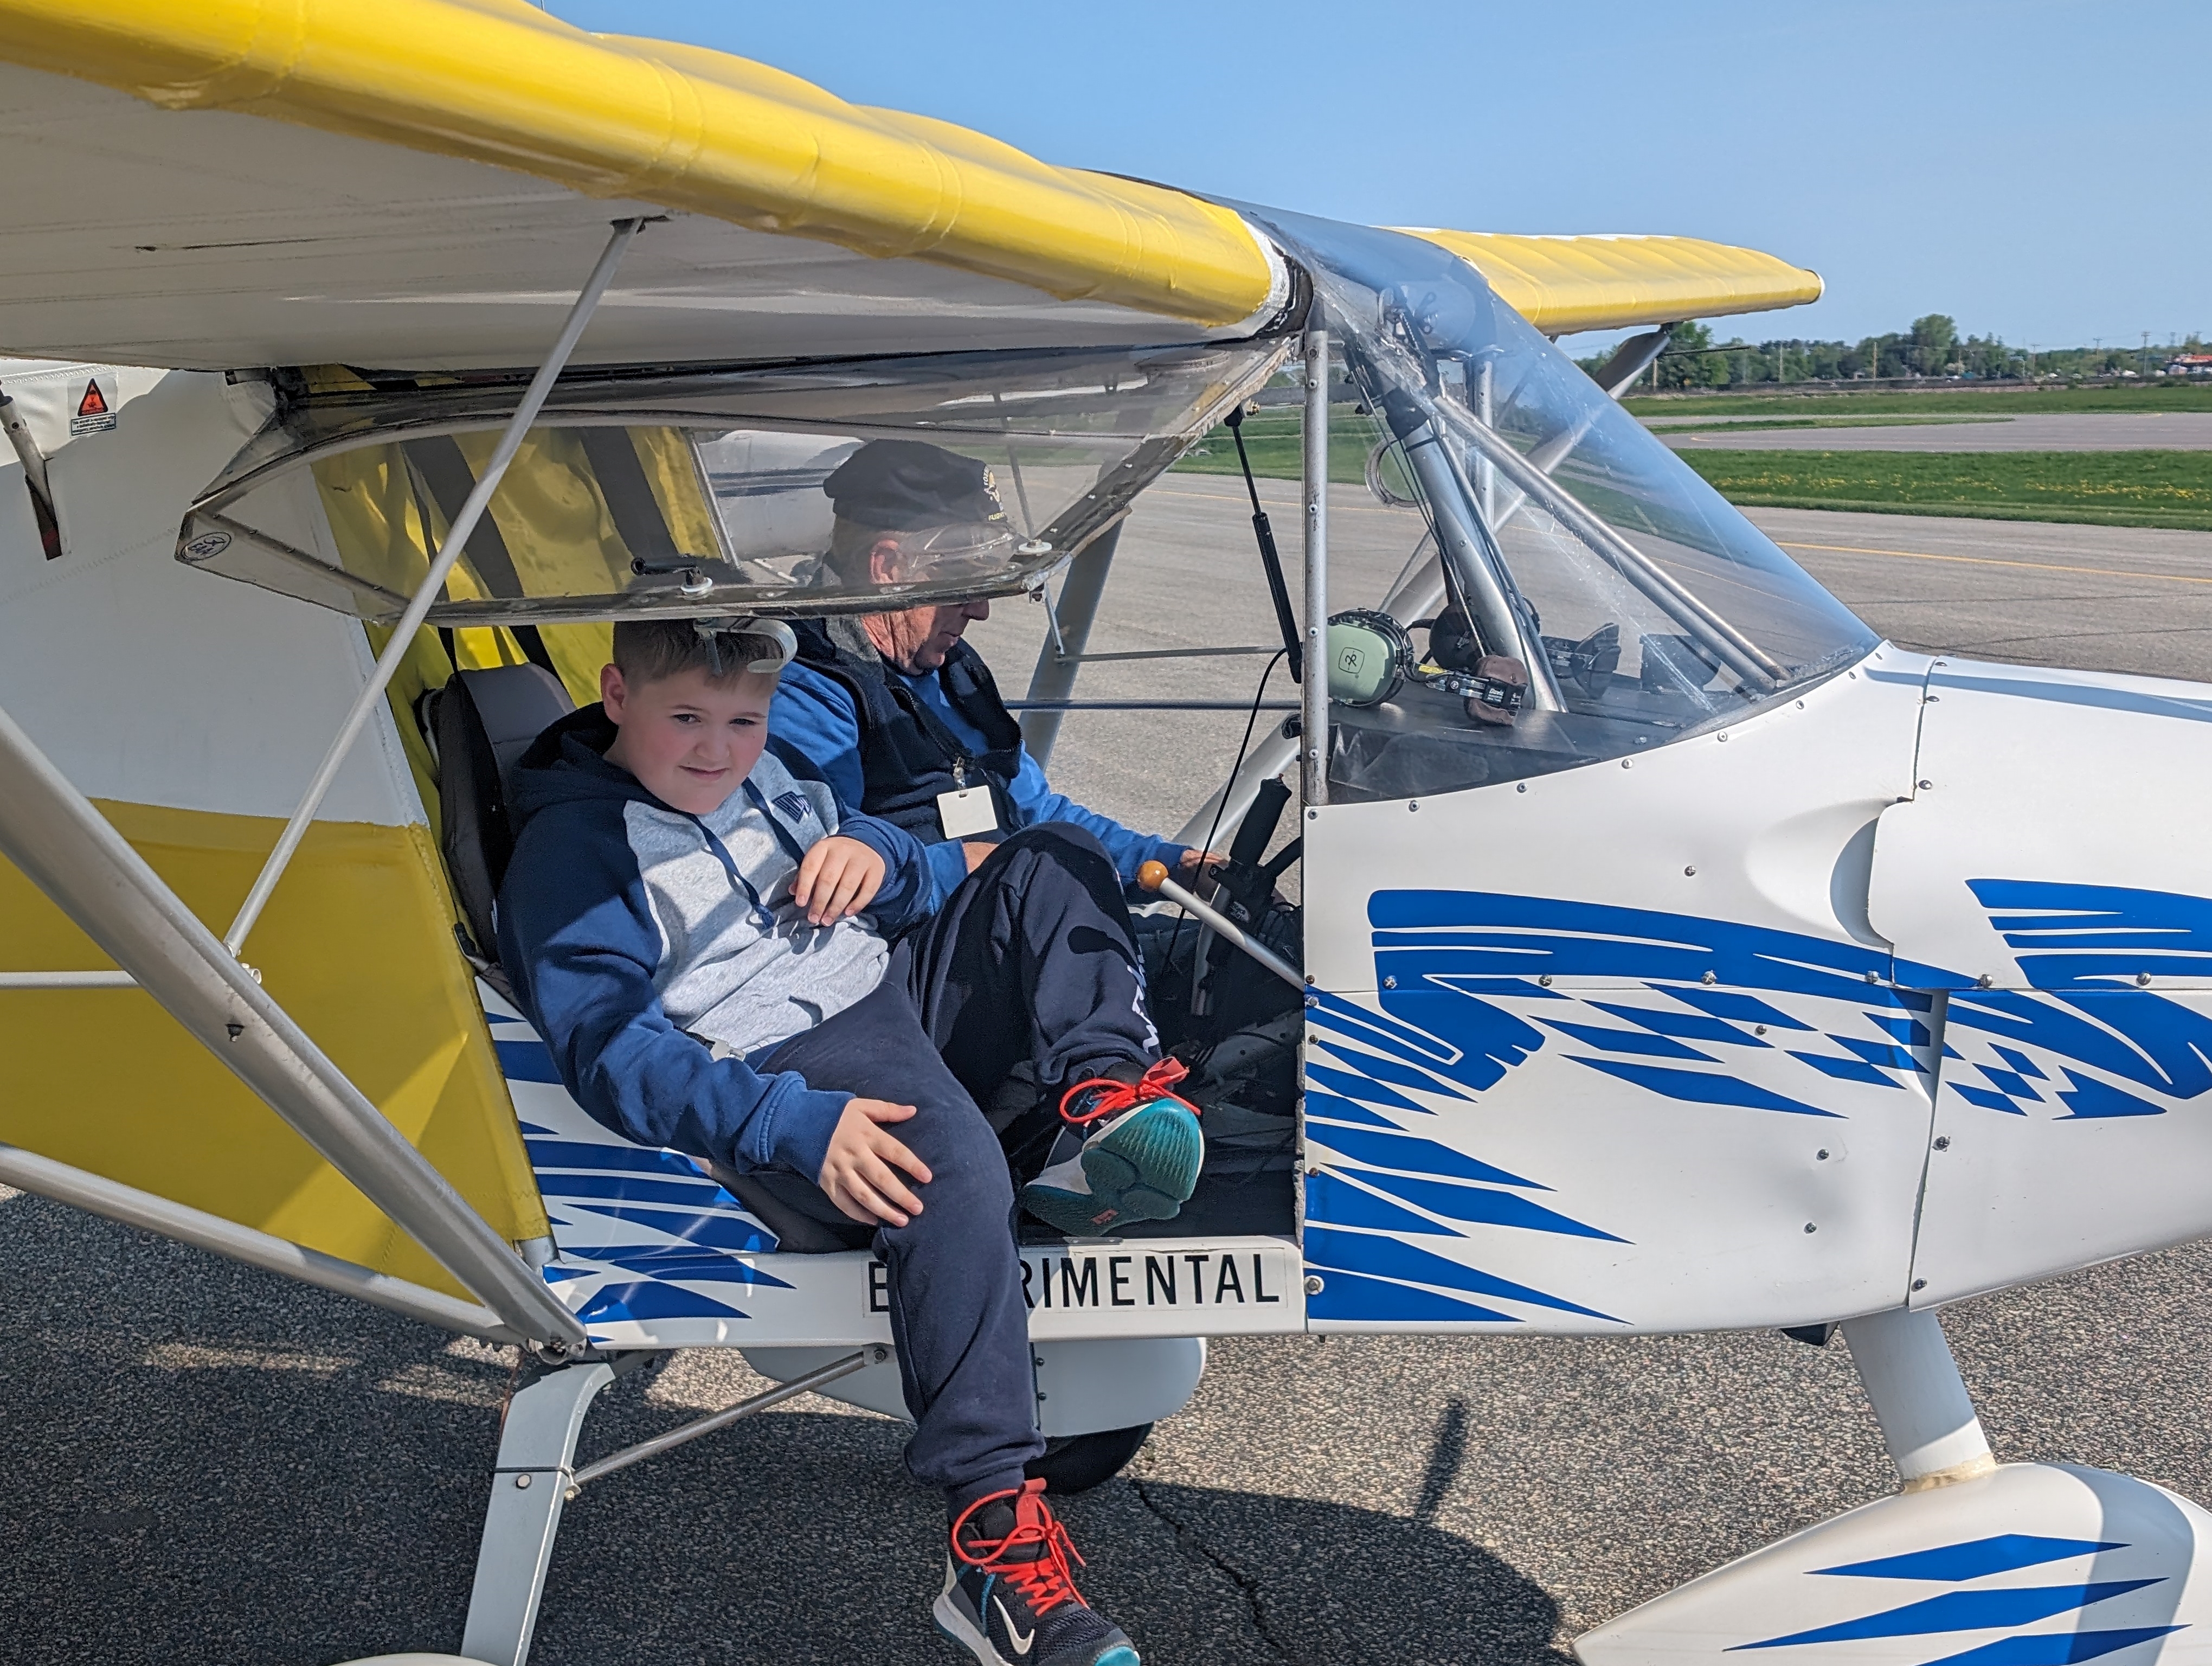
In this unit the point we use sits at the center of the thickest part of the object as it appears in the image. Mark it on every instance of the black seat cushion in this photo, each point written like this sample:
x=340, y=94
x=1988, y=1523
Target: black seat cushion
x=480, y=723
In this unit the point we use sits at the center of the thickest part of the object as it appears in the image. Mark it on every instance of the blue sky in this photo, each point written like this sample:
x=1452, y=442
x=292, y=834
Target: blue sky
x=2026, y=166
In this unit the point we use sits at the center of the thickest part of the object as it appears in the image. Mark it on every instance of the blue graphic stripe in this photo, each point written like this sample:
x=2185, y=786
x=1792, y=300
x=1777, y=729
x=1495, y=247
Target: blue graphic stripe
x=1889, y=1054
x=1735, y=1004
x=1344, y=1111
x=1986, y=1100
x=1700, y=1087
x=1480, y=1204
x=1628, y=1041
x=1386, y=1257
x=1973, y=1559
x=699, y=1192
x=528, y=1060
x=1413, y=1156
x=2056, y=1648
x=1353, y=1085
x=1694, y=1026
x=1354, y=1296
x=650, y=1300
x=676, y=1261
x=546, y=1153
x=1963, y=1611
x=718, y=1231
x=1846, y=1070
x=2090, y=1097
x=1331, y=1199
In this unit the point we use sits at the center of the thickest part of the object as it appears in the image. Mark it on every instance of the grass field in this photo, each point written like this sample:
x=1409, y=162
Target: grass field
x=2047, y=402
x=1756, y=424
x=2110, y=488
x=1274, y=443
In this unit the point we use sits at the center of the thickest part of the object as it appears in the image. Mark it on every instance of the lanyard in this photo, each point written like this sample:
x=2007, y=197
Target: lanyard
x=764, y=915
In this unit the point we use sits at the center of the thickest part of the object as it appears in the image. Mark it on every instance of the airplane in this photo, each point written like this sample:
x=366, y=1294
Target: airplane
x=1672, y=953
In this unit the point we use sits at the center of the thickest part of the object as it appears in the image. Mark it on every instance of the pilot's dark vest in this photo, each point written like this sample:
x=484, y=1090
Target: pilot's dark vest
x=908, y=755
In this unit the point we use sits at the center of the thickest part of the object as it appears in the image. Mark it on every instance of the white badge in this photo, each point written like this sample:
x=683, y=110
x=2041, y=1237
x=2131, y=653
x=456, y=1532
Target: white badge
x=967, y=812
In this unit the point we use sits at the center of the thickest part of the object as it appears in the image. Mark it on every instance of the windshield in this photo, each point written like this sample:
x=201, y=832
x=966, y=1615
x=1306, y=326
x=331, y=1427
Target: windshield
x=1637, y=605
x=795, y=489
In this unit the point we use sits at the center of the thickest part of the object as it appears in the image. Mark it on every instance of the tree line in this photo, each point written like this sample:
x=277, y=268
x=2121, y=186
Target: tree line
x=1931, y=347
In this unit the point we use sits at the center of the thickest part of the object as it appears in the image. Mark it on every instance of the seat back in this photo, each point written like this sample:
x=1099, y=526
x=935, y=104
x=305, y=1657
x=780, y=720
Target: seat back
x=480, y=723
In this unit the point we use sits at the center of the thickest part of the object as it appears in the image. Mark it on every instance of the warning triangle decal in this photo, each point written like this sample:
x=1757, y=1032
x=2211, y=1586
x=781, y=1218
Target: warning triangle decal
x=92, y=404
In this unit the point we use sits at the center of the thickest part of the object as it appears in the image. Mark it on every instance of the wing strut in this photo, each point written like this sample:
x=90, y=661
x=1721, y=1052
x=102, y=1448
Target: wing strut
x=69, y=851
x=434, y=581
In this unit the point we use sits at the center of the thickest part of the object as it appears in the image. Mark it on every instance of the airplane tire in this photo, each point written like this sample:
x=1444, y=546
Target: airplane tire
x=1075, y=1463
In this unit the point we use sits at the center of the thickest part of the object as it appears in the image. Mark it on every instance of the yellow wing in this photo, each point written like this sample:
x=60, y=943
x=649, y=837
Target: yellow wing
x=447, y=171
x=1563, y=284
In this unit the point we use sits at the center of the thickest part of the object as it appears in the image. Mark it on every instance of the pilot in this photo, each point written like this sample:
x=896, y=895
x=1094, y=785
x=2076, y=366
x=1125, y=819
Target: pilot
x=899, y=713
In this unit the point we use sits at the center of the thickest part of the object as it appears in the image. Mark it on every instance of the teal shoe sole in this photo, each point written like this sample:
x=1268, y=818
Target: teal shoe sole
x=1145, y=1170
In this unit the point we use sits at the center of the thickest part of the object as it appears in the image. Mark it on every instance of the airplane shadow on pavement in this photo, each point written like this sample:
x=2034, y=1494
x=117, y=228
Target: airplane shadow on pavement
x=209, y=1464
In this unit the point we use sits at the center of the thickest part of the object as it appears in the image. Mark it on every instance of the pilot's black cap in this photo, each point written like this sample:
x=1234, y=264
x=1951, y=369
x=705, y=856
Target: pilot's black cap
x=897, y=485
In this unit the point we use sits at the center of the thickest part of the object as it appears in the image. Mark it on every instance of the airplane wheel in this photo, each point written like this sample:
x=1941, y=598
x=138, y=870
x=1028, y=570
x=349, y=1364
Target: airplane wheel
x=1075, y=1463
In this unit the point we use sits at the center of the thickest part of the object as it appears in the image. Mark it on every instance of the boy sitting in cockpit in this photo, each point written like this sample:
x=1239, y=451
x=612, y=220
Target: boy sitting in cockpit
x=704, y=939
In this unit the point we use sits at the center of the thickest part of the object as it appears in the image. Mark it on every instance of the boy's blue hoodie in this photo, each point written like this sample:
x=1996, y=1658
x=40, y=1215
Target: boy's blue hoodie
x=656, y=950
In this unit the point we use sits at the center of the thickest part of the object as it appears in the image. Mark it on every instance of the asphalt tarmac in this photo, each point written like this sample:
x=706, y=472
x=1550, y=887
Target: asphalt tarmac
x=2133, y=430
x=207, y=1464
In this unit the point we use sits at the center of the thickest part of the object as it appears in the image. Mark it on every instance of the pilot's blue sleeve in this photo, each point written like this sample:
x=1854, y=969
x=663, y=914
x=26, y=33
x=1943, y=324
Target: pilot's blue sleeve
x=1035, y=801
x=948, y=867
x=814, y=716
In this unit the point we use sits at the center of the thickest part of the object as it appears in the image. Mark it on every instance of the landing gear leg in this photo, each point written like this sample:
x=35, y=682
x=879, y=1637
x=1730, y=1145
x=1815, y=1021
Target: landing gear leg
x=1927, y=1423
x=528, y=1487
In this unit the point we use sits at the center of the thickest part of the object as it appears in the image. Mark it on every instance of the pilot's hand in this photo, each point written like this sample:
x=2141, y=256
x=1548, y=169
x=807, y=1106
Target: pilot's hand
x=861, y=1172
x=977, y=852
x=1187, y=868
x=838, y=878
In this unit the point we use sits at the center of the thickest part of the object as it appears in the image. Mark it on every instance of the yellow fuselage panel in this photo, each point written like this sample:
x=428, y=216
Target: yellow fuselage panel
x=357, y=945
x=194, y=710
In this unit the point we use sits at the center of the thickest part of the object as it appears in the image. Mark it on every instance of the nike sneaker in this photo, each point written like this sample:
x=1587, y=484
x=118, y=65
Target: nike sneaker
x=1131, y=1151
x=1010, y=1596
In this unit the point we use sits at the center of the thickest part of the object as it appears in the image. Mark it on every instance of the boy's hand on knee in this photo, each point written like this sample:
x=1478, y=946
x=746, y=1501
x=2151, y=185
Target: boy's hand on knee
x=839, y=877
x=861, y=1174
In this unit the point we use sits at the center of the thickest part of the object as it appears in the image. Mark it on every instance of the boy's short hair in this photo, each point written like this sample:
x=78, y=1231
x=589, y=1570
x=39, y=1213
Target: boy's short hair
x=648, y=650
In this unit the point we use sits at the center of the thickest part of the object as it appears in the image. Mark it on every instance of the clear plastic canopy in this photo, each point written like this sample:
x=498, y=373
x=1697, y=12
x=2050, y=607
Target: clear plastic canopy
x=661, y=493
x=1640, y=605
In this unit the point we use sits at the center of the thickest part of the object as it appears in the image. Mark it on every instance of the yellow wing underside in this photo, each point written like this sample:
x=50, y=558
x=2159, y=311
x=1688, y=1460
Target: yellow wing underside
x=614, y=119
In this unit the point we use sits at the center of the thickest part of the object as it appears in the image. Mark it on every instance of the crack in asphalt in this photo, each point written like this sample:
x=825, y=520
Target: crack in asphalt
x=1188, y=1538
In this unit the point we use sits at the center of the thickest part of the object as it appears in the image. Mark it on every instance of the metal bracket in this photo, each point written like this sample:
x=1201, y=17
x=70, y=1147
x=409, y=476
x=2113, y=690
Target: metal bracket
x=533, y=1481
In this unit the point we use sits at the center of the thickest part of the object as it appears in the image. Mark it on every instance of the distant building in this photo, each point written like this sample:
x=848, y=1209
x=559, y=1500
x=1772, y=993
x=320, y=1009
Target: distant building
x=2189, y=364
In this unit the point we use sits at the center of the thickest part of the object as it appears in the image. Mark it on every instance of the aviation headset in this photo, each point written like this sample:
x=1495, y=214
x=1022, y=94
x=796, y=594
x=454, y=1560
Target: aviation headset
x=718, y=632
x=1371, y=656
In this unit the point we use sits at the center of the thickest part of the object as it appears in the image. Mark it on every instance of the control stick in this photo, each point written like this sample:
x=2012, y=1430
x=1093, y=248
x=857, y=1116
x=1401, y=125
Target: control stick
x=1153, y=877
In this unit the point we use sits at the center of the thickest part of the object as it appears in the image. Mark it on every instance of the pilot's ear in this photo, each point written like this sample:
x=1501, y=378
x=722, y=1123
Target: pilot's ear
x=884, y=565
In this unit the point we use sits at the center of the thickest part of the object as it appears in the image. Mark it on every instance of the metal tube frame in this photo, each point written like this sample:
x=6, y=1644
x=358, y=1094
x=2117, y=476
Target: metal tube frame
x=96, y=1194
x=684, y=1434
x=1313, y=744
x=70, y=852
x=1738, y=650
x=1060, y=656
x=434, y=581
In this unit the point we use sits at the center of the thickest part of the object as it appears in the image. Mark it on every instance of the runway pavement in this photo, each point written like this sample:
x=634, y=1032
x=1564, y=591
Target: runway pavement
x=210, y=1465
x=2135, y=430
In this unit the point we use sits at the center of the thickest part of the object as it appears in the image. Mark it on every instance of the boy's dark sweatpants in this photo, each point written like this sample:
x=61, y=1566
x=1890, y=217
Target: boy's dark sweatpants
x=1031, y=959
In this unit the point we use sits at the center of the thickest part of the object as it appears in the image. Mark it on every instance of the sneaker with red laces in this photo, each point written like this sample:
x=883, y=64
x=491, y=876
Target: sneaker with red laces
x=1010, y=1596
x=1136, y=1152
